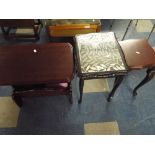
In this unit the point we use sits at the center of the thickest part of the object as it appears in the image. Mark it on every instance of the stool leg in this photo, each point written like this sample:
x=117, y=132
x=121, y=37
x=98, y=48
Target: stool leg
x=81, y=84
x=150, y=74
x=126, y=29
x=117, y=82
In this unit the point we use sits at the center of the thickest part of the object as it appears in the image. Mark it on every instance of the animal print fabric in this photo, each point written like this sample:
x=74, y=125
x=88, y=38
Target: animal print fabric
x=99, y=52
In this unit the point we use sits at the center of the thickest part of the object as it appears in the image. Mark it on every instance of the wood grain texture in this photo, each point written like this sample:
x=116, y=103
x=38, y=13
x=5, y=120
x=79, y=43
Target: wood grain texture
x=138, y=53
x=20, y=65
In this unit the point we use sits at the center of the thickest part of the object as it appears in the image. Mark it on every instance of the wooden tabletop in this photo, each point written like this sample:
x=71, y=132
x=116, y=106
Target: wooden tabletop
x=138, y=53
x=36, y=63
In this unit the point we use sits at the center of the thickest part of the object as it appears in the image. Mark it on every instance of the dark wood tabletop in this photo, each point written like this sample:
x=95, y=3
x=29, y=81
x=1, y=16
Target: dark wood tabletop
x=36, y=63
x=138, y=53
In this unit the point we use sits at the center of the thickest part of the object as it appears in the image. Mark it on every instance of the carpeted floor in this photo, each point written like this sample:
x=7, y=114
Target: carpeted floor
x=54, y=115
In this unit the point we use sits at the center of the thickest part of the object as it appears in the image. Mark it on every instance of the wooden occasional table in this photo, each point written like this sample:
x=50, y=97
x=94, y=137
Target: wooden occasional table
x=71, y=27
x=139, y=55
x=99, y=56
x=37, y=69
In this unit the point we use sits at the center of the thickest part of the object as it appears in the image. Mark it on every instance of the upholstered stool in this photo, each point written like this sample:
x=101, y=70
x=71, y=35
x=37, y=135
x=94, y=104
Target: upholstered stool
x=99, y=55
x=71, y=27
x=139, y=54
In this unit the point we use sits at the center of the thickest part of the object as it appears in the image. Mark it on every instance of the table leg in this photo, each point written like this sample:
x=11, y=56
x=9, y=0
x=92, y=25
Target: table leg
x=150, y=74
x=111, y=24
x=127, y=29
x=70, y=93
x=136, y=23
x=151, y=32
x=81, y=84
x=117, y=82
x=6, y=32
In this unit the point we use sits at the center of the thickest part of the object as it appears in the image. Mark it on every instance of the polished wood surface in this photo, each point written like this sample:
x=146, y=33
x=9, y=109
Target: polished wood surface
x=71, y=30
x=71, y=27
x=138, y=53
x=36, y=64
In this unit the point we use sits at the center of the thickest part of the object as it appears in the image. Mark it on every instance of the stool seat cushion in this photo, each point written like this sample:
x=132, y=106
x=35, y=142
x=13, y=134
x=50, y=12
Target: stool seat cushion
x=99, y=52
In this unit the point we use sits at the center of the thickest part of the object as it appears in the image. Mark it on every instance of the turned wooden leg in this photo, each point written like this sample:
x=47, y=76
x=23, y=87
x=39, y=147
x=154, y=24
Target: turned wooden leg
x=81, y=83
x=70, y=93
x=150, y=74
x=117, y=82
x=18, y=100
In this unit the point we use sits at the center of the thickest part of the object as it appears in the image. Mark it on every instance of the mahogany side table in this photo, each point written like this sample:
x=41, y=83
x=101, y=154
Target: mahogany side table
x=37, y=69
x=139, y=55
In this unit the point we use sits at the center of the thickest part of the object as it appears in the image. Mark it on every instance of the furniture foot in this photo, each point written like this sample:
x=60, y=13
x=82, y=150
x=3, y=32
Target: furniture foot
x=117, y=82
x=81, y=83
x=150, y=74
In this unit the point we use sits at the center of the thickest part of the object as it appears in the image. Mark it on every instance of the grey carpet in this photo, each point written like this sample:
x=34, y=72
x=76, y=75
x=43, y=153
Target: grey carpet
x=55, y=115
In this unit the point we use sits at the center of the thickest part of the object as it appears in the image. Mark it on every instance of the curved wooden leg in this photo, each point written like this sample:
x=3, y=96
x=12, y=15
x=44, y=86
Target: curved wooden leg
x=81, y=83
x=117, y=82
x=150, y=74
